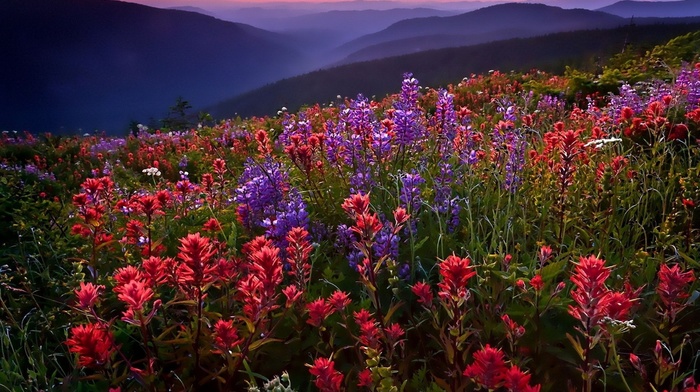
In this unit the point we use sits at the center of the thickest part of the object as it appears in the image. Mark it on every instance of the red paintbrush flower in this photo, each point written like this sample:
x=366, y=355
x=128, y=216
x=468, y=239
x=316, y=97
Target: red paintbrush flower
x=367, y=225
x=293, y=295
x=93, y=343
x=225, y=336
x=267, y=266
x=88, y=294
x=327, y=378
x=424, y=293
x=537, y=283
x=356, y=204
x=488, y=369
x=125, y=275
x=197, y=268
x=318, y=311
x=672, y=288
x=135, y=294
x=517, y=381
x=455, y=272
x=298, y=252
x=339, y=300
x=212, y=225
x=590, y=293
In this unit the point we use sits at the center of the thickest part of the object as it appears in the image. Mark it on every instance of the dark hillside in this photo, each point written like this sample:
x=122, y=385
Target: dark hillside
x=582, y=49
x=97, y=64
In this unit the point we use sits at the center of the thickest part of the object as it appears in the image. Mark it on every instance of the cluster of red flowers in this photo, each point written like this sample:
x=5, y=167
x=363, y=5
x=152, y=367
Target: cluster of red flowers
x=489, y=371
x=594, y=302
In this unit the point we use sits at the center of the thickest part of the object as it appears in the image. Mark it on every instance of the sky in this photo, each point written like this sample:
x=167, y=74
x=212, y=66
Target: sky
x=224, y=3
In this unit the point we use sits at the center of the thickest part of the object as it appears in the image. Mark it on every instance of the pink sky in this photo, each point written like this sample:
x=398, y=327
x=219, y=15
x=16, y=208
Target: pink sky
x=204, y=3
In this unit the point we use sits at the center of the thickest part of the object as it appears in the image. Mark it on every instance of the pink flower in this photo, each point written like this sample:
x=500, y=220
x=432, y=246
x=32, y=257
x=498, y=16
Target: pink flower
x=88, y=294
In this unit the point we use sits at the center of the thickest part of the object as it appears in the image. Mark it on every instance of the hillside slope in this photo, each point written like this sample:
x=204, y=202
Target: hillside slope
x=580, y=49
x=97, y=64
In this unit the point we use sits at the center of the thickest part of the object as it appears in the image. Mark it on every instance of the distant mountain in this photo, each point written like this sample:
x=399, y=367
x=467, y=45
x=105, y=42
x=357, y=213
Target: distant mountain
x=637, y=9
x=316, y=33
x=493, y=23
x=98, y=64
x=553, y=52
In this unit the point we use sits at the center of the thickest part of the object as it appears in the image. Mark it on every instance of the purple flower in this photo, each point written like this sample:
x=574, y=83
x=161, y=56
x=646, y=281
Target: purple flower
x=407, y=114
x=510, y=147
x=267, y=200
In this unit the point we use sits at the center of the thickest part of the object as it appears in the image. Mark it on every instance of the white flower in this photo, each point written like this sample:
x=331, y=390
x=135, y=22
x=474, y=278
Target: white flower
x=151, y=171
x=599, y=143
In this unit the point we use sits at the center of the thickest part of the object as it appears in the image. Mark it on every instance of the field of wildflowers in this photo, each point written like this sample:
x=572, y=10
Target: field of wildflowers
x=486, y=236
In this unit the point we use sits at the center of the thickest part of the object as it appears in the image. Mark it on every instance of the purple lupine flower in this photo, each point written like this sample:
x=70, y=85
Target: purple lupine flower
x=405, y=272
x=107, y=146
x=292, y=126
x=267, y=200
x=445, y=119
x=183, y=162
x=443, y=202
x=688, y=81
x=386, y=243
x=349, y=143
x=551, y=103
x=510, y=145
x=407, y=114
x=410, y=194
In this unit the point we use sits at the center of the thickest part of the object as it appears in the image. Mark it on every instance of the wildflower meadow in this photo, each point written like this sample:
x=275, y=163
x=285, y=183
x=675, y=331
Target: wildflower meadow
x=491, y=235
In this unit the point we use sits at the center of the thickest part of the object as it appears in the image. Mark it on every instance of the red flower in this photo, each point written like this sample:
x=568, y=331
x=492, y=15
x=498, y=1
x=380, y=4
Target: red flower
x=293, y=295
x=400, y=218
x=125, y=275
x=212, y=225
x=488, y=369
x=627, y=113
x=197, y=269
x=88, y=294
x=455, y=272
x=339, y=300
x=266, y=265
x=148, y=205
x=135, y=294
x=318, y=311
x=367, y=225
x=364, y=379
x=513, y=330
x=394, y=332
x=225, y=336
x=590, y=293
x=671, y=288
x=298, y=252
x=219, y=166
x=92, y=342
x=678, y=132
x=544, y=254
x=688, y=203
x=423, y=292
x=537, y=283
x=327, y=378
x=517, y=381
x=362, y=316
x=156, y=269
x=356, y=204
